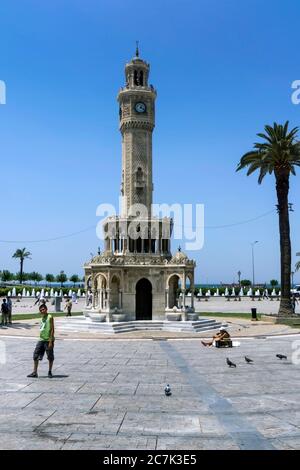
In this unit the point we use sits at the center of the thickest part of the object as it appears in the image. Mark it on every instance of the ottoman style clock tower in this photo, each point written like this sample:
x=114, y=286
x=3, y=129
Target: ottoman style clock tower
x=136, y=277
x=137, y=121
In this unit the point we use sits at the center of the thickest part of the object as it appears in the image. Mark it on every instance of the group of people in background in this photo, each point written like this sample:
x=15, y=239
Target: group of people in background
x=6, y=308
x=6, y=312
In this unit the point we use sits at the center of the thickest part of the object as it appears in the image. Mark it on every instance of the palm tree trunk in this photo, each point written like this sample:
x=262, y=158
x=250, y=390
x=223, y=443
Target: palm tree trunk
x=21, y=270
x=282, y=189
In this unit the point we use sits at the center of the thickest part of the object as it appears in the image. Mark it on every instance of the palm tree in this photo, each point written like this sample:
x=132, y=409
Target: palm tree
x=297, y=267
x=278, y=154
x=22, y=254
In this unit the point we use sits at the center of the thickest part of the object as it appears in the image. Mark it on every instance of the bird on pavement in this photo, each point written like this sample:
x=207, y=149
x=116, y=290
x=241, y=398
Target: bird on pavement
x=281, y=356
x=248, y=360
x=231, y=364
x=168, y=390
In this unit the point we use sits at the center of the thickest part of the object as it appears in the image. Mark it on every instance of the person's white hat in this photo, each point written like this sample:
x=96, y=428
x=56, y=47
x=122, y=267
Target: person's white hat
x=222, y=328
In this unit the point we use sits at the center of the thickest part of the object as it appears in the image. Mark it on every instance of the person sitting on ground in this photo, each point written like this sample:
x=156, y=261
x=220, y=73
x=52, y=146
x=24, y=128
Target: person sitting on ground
x=222, y=335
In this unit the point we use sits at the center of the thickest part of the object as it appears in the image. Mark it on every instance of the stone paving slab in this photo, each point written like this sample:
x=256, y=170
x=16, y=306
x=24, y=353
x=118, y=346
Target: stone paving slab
x=93, y=442
x=156, y=404
x=287, y=443
x=97, y=422
x=63, y=400
x=108, y=388
x=32, y=441
x=199, y=443
x=109, y=394
x=20, y=420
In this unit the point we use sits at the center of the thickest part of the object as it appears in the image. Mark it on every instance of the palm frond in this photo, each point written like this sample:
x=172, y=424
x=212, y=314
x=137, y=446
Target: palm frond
x=278, y=152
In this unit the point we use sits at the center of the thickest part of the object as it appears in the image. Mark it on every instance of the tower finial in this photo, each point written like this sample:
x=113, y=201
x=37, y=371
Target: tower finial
x=137, y=49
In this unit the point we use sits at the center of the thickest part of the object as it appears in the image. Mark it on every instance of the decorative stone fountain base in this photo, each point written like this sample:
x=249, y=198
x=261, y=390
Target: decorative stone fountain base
x=85, y=324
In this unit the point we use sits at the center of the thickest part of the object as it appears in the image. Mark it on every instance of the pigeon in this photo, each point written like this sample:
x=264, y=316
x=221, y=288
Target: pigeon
x=248, y=360
x=168, y=390
x=231, y=364
x=281, y=356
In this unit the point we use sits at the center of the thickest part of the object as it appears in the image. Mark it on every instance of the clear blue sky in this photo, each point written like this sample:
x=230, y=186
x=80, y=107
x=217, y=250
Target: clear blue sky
x=223, y=69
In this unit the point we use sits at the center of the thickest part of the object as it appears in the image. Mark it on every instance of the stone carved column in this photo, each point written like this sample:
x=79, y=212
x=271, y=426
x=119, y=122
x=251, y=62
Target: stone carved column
x=167, y=298
x=192, y=299
x=108, y=298
x=94, y=298
x=100, y=299
x=183, y=298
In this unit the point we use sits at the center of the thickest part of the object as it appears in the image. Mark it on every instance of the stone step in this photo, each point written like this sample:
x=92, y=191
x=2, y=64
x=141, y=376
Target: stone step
x=85, y=324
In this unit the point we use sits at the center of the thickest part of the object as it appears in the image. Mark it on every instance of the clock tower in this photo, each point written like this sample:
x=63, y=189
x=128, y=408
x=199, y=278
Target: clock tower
x=137, y=121
x=136, y=278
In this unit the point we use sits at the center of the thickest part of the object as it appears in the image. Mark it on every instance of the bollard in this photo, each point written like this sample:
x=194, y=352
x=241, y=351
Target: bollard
x=254, y=315
x=57, y=304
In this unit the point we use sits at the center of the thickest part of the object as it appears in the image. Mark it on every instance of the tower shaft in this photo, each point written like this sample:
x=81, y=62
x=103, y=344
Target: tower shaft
x=137, y=121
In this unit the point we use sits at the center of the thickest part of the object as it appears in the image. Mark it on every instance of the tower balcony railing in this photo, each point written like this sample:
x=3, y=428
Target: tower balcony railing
x=149, y=88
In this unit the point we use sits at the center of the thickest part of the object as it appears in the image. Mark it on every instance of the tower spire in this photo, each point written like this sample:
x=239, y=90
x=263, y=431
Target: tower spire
x=137, y=53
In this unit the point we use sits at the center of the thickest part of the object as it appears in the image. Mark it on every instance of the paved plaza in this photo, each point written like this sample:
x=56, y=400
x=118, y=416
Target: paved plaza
x=109, y=394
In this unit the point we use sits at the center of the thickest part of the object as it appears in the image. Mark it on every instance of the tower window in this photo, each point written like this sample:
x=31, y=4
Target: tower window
x=139, y=175
x=138, y=77
x=141, y=78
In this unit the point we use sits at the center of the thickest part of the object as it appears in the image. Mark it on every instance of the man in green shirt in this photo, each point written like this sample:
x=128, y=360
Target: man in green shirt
x=45, y=343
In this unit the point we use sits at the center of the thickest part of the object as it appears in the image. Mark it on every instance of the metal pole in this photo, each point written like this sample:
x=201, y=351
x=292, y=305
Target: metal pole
x=252, y=265
x=253, y=277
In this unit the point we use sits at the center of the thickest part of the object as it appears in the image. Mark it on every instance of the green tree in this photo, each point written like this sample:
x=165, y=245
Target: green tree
x=6, y=275
x=49, y=278
x=61, y=277
x=274, y=282
x=36, y=277
x=21, y=254
x=74, y=278
x=246, y=282
x=24, y=276
x=278, y=154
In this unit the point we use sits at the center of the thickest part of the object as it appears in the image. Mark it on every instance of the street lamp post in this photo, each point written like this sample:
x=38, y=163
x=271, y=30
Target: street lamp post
x=253, y=277
x=239, y=275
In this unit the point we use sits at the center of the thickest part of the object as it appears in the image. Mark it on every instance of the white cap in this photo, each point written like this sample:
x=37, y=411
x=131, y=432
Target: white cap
x=222, y=328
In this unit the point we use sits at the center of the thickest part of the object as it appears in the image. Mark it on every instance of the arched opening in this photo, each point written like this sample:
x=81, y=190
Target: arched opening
x=114, y=292
x=100, y=292
x=143, y=300
x=136, y=78
x=190, y=289
x=174, y=291
x=141, y=80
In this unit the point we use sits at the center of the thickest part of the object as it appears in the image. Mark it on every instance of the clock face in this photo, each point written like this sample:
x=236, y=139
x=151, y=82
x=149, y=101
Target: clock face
x=140, y=107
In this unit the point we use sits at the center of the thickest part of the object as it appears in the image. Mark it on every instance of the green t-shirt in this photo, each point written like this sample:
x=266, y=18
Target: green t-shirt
x=45, y=328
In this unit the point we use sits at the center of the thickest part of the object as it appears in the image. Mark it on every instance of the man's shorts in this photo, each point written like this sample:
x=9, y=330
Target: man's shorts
x=41, y=348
